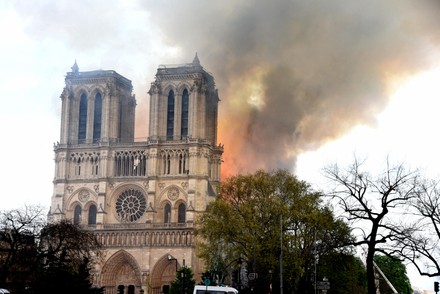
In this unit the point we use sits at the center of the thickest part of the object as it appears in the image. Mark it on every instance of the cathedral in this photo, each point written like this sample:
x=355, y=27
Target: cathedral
x=139, y=197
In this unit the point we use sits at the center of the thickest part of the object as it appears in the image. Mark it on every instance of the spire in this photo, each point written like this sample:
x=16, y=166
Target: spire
x=196, y=60
x=75, y=68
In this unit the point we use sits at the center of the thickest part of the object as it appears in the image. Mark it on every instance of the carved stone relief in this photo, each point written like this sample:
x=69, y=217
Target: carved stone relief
x=83, y=195
x=184, y=185
x=173, y=194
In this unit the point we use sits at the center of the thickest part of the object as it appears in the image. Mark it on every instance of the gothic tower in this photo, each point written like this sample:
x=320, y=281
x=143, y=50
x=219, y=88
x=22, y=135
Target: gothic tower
x=140, y=198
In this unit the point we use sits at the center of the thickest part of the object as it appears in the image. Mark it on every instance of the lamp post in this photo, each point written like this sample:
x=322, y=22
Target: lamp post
x=239, y=273
x=281, y=253
x=182, y=282
x=278, y=193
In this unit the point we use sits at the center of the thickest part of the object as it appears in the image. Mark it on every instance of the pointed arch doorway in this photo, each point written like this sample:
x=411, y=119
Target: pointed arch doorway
x=164, y=272
x=121, y=274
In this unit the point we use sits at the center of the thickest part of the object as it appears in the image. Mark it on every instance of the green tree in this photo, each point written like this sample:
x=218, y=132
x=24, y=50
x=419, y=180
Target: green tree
x=184, y=282
x=64, y=278
x=65, y=243
x=242, y=229
x=345, y=272
x=395, y=272
x=215, y=278
x=66, y=253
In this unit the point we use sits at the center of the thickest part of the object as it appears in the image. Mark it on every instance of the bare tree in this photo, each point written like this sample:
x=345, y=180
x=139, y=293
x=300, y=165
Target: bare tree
x=374, y=205
x=423, y=251
x=18, y=228
x=31, y=250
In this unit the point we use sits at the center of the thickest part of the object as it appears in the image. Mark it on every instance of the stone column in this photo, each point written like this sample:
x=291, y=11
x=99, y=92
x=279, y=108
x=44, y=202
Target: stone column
x=152, y=162
x=202, y=115
x=105, y=116
x=90, y=118
x=65, y=115
x=193, y=105
x=114, y=117
x=74, y=119
x=154, y=110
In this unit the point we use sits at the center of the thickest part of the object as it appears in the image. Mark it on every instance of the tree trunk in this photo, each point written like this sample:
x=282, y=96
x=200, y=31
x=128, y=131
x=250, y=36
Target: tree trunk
x=371, y=279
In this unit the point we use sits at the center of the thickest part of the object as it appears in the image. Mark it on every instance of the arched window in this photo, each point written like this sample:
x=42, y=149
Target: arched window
x=78, y=167
x=170, y=115
x=95, y=166
x=185, y=107
x=167, y=213
x=168, y=164
x=92, y=215
x=82, y=127
x=182, y=214
x=121, y=288
x=77, y=215
x=131, y=289
x=97, y=117
x=182, y=164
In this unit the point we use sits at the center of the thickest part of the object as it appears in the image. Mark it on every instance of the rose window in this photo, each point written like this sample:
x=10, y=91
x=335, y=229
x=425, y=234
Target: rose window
x=173, y=194
x=131, y=205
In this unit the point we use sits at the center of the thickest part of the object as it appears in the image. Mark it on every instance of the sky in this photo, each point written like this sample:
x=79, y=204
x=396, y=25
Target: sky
x=302, y=83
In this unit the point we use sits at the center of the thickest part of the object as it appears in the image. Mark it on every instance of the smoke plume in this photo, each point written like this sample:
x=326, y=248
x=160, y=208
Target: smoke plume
x=293, y=75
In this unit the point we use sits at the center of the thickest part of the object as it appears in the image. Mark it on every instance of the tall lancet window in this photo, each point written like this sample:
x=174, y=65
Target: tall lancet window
x=92, y=214
x=170, y=115
x=77, y=215
x=181, y=216
x=82, y=127
x=185, y=107
x=97, y=116
x=167, y=214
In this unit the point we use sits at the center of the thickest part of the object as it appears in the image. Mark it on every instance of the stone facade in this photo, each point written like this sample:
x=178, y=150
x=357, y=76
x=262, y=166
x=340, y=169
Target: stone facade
x=140, y=198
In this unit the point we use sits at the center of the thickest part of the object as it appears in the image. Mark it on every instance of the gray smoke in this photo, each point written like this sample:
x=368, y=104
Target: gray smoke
x=321, y=66
x=292, y=75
